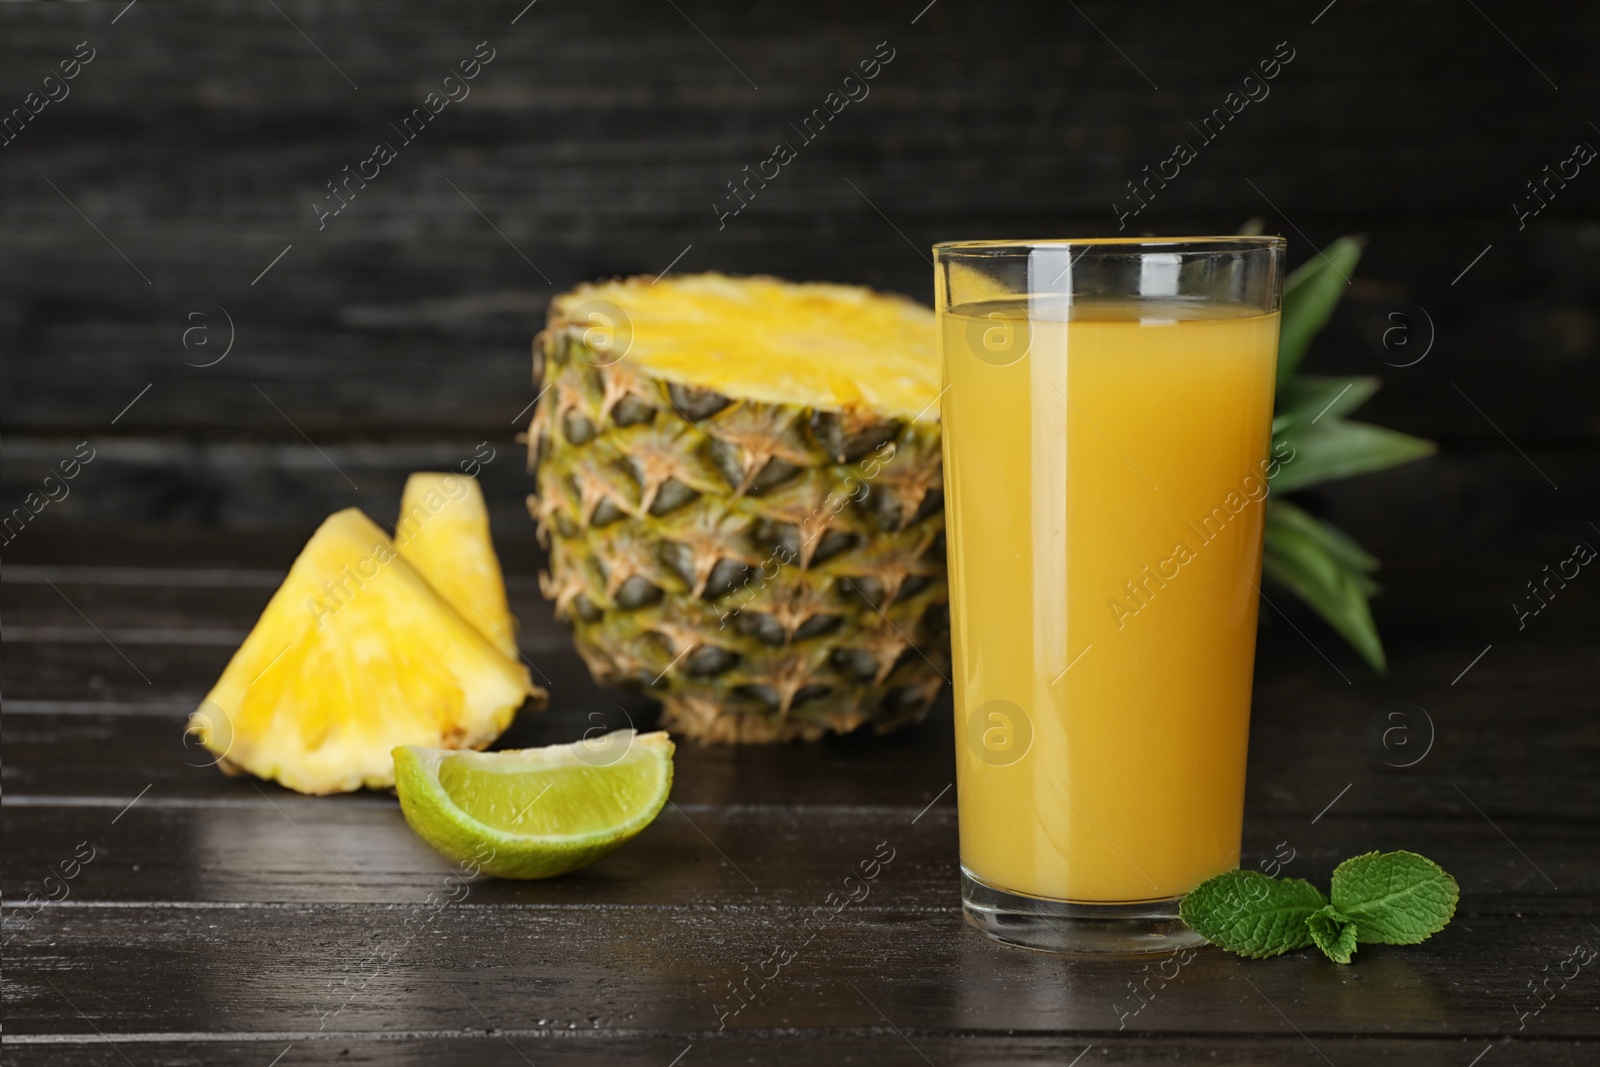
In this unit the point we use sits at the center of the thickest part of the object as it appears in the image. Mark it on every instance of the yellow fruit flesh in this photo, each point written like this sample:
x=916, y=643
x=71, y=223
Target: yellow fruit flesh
x=828, y=347
x=443, y=531
x=355, y=654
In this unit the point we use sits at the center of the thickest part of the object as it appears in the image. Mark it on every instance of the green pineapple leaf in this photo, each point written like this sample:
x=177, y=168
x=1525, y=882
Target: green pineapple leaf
x=1318, y=563
x=1309, y=296
x=1304, y=399
x=1330, y=539
x=1337, y=448
x=1314, y=561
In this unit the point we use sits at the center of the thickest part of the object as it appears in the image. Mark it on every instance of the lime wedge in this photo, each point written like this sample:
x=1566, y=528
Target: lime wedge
x=535, y=812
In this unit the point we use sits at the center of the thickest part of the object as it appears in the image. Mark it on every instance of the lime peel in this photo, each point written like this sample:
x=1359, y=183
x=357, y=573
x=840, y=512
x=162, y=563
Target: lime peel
x=535, y=812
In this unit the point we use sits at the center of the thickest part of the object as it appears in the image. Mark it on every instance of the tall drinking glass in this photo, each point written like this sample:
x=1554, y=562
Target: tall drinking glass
x=1107, y=419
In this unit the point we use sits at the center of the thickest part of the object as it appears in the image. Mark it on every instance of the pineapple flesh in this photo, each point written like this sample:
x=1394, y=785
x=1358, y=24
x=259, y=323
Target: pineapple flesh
x=443, y=531
x=739, y=484
x=356, y=653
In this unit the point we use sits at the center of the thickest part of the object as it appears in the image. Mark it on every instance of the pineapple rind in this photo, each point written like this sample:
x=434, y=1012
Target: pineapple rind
x=647, y=507
x=333, y=676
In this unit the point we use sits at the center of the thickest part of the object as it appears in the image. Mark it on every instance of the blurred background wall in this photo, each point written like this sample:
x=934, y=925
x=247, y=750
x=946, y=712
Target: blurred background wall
x=171, y=202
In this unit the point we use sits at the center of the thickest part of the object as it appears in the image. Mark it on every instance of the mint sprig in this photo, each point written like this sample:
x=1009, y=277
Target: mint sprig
x=1395, y=898
x=1334, y=933
x=1248, y=913
x=1380, y=898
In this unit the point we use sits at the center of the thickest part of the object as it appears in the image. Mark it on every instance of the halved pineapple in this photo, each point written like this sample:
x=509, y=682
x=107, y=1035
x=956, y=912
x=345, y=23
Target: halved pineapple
x=443, y=531
x=739, y=483
x=356, y=653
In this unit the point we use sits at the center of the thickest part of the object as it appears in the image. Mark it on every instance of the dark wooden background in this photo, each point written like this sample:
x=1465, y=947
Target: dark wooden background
x=187, y=158
x=599, y=139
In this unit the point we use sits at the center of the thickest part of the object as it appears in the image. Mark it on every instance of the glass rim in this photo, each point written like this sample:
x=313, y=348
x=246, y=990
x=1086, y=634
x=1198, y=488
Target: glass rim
x=1198, y=245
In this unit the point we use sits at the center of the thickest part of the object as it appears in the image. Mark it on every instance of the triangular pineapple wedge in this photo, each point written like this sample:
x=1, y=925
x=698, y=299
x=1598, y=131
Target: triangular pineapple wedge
x=443, y=531
x=355, y=654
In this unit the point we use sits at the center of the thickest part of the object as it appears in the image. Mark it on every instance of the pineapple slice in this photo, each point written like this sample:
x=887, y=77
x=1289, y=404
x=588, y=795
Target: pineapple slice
x=443, y=531
x=355, y=653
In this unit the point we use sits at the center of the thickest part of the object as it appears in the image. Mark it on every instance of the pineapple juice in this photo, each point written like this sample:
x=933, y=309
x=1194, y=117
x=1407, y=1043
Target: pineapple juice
x=1105, y=503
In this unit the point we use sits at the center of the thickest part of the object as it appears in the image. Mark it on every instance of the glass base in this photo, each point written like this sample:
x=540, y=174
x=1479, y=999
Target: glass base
x=1061, y=926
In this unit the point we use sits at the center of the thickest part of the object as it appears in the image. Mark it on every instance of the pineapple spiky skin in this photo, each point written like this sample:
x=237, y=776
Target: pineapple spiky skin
x=768, y=571
x=355, y=653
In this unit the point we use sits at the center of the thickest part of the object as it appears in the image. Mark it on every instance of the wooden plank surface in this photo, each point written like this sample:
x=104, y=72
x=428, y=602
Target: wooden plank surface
x=602, y=134
x=265, y=848
x=1525, y=752
x=1460, y=533
x=221, y=917
x=660, y=969
x=481, y=1043
x=218, y=919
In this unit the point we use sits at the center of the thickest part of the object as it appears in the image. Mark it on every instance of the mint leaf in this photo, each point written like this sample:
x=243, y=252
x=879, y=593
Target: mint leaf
x=1248, y=913
x=1396, y=898
x=1333, y=933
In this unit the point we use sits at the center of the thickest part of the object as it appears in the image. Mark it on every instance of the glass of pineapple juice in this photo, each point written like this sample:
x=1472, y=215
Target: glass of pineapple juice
x=1107, y=414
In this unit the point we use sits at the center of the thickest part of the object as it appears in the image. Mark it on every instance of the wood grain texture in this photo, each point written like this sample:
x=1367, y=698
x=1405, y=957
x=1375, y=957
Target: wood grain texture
x=268, y=848
x=601, y=135
x=220, y=916
x=1515, y=754
x=222, y=922
x=626, y=969
x=477, y=1044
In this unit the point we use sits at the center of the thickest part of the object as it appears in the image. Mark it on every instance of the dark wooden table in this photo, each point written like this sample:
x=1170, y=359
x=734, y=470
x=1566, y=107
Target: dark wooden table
x=172, y=195
x=225, y=921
